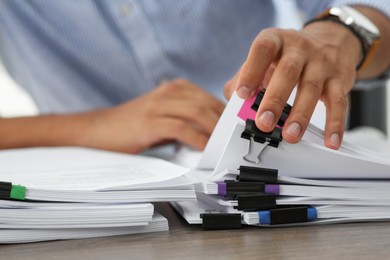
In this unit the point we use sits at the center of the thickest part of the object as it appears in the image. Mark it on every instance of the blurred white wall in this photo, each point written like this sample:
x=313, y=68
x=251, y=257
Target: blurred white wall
x=14, y=101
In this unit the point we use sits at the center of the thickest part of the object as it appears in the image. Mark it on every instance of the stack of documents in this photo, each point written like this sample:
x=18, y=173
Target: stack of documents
x=257, y=179
x=18, y=235
x=69, y=192
x=244, y=176
x=24, y=222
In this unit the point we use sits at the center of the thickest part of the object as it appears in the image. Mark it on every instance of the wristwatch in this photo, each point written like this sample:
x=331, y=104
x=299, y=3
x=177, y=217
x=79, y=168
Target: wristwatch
x=362, y=27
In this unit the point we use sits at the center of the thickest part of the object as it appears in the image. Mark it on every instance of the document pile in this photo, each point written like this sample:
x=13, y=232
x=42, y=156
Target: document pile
x=65, y=193
x=244, y=176
x=257, y=179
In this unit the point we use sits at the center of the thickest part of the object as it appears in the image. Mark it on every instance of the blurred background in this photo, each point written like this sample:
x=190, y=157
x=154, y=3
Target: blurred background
x=369, y=113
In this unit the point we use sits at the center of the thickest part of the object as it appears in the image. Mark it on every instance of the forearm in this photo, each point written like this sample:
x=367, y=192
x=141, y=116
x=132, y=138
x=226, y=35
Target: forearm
x=130, y=127
x=381, y=60
x=47, y=130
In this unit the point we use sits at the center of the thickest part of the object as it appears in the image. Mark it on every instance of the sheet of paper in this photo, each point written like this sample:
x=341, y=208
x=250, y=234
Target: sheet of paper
x=221, y=134
x=117, y=196
x=78, y=217
x=307, y=159
x=16, y=235
x=73, y=168
x=304, y=160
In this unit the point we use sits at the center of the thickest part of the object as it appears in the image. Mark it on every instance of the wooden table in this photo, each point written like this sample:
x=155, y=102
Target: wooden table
x=342, y=241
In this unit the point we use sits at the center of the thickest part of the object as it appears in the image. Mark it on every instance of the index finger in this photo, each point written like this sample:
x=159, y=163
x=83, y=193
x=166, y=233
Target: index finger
x=264, y=50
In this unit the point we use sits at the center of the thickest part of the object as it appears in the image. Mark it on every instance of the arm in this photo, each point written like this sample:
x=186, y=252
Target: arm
x=321, y=60
x=175, y=111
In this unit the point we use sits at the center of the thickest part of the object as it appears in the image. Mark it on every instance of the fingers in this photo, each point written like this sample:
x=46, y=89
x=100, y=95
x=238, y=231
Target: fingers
x=308, y=93
x=322, y=66
x=336, y=107
x=200, y=114
x=181, y=89
x=176, y=129
x=268, y=74
x=230, y=86
x=264, y=50
x=283, y=80
x=183, y=112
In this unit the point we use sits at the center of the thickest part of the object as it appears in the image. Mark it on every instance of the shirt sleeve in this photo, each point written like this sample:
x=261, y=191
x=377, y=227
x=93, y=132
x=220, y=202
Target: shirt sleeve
x=312, y=8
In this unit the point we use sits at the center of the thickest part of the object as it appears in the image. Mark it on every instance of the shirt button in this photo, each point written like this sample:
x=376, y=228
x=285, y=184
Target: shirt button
x=126, y=9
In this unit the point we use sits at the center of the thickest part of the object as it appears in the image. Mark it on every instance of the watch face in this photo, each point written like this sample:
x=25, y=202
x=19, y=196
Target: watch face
x=362, y=20
x=365, y=30
x=351, y=16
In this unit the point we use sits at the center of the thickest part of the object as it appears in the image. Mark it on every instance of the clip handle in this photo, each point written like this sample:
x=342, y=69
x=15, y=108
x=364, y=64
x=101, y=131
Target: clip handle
x=257, y=174
x=217, y=221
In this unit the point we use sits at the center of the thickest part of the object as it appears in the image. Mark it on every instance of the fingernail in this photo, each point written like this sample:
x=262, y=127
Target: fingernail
x=267, y=118
x=335, y=140
x=294, y=129
x=244, y=92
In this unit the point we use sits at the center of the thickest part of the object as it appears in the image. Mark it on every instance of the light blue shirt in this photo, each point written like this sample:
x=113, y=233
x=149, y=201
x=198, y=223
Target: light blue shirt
x=77, y=55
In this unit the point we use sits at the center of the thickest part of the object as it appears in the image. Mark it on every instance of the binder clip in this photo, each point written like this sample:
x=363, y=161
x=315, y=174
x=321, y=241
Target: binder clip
x=286, y=110
x=219, y=221
x=259, y=98
x=5, y=190
x=259, y=140
x=233, y=188
x=257, y=174
x=8, y=191
x=288, y=215
x=256, y=202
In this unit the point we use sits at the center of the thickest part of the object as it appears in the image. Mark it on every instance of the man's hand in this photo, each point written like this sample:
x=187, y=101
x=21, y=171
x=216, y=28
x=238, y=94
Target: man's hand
x=175, y=111
x=280, y=59
x=320, y=60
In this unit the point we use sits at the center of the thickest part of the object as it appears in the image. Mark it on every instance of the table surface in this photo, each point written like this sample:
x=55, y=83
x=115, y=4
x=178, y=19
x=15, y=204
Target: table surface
x=183, y=241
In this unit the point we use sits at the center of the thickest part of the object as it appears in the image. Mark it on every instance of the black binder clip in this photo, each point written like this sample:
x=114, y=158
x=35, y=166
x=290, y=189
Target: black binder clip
x=256, y=202
x=285, y=113
x=257, y=174
x=218, y=221
x=259, y=98
x=5, y=190
x=258, y=140
x=251, y=130
x=234, y=188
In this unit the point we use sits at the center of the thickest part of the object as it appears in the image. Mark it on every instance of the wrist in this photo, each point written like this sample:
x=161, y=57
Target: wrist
x=360, y=24
x=335, y=34
x=91, y=129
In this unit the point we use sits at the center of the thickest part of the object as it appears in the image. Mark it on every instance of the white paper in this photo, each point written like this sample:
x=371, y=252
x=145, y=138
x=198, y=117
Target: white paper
x=157, y=224
x=74, y=168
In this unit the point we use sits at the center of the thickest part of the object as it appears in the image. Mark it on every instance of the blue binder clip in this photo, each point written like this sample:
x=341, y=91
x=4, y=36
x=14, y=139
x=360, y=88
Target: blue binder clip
x=287, y=215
